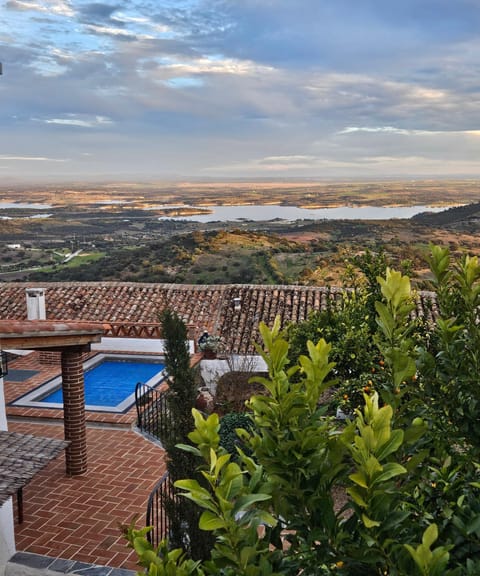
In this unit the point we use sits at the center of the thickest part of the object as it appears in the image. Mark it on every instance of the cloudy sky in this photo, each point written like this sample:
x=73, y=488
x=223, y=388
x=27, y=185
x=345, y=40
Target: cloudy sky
x=152, y=89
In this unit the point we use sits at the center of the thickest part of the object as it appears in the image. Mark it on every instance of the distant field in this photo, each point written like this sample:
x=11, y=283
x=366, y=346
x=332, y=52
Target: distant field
x=302, y=193
x=117, y=228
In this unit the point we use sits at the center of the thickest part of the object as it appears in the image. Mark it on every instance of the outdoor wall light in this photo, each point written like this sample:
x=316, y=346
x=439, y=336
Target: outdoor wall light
x=3, y=364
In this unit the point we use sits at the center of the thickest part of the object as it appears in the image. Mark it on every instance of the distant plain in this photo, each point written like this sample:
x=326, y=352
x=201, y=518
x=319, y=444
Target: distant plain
x=138, y=231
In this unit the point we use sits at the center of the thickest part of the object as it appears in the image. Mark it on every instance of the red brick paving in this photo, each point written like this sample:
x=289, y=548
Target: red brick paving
x=78, y=517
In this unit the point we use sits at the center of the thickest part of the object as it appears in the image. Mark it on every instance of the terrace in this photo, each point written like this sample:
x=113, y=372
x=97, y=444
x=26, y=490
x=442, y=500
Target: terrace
x=76, y=517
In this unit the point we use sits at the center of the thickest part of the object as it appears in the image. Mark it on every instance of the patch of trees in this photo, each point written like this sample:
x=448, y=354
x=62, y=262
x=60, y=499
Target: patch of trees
x=193, y=257
x=450, y=215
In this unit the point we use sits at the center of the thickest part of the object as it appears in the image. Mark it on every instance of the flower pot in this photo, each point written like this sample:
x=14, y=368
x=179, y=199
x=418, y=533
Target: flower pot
x=209, y=354
x=205, y=401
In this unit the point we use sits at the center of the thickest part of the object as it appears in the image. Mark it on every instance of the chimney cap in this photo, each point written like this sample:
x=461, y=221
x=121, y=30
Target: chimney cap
x=35, y=291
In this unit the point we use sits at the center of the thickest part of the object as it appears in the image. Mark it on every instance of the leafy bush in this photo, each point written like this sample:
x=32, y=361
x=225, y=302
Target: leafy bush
x=346, y=327
x=210, y=342
x=451, y=358
x=405, y=463
x=229, y=423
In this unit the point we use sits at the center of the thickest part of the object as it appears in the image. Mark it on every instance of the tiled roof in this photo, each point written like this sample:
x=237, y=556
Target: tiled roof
x=35, y=334
x=22, y=456
x=11, y=327
x=207, y=307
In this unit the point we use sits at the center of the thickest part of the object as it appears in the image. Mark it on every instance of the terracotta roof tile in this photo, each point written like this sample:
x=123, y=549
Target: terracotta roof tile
x=209, y=307
x=9, y=327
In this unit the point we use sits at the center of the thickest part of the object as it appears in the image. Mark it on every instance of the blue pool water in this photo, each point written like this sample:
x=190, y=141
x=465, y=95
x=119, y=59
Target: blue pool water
x=111, y=382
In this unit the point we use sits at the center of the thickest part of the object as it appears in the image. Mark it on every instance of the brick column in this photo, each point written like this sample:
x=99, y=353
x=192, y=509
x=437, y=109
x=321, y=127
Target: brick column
x=74, y=410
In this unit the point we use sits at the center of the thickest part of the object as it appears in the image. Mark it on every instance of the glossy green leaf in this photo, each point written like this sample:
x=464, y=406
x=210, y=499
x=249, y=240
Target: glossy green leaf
x=390, y=470
x=368, y=522
x=210, y=521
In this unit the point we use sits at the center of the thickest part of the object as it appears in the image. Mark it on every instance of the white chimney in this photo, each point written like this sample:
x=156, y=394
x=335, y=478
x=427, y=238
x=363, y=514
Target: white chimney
x=36, y=304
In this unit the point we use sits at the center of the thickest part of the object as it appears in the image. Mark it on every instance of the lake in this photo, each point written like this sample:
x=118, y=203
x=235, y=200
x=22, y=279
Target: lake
x=24, y=206
x=36, y=217
x=258, y=212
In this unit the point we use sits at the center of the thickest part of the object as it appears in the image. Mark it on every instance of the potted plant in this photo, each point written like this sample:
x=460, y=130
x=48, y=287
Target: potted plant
x=210, y=345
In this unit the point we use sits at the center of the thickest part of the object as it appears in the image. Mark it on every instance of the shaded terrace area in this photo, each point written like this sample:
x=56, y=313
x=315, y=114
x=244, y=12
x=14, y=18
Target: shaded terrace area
x=72, y=340
x=77, y=517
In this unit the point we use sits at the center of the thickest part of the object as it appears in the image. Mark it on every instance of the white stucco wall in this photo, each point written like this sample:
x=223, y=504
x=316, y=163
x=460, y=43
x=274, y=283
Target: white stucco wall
x=3, y=413
x=7, y=534
x=150, y=345
x=212, y=370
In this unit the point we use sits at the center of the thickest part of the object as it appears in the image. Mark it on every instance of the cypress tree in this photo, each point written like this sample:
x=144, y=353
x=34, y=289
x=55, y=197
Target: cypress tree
x=182, y=514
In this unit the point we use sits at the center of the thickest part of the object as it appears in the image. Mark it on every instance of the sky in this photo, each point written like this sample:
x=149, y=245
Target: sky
x=226, y=89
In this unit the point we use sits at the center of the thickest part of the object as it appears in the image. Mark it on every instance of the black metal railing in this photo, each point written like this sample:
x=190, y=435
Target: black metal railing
x=153, y=414
x=174, y=517
x=168, y=513
x=162, y=492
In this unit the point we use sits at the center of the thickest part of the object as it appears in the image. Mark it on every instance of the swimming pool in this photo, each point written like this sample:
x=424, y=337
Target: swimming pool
x=110, y=382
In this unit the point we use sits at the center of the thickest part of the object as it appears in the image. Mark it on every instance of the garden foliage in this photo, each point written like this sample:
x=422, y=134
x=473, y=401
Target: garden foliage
x=391, y=490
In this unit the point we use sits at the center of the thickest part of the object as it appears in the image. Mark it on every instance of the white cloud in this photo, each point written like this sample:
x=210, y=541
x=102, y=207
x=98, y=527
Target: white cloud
x=62, y=54
x=382, y=129
x=405, y=132
x=287, y=160
x=81, y=123
x=60, y=7
x=123, y=18
x=408, y=100
x=6, y=157
x=47, y=67
x=118, y=32
x=213, y=65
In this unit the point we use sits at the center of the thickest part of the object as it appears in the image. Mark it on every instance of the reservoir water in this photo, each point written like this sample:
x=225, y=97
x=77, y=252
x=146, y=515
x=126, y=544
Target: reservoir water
x=260, y=212
x=24, y=205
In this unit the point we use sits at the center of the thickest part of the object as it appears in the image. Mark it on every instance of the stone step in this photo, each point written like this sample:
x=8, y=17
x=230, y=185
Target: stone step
x=29, y=564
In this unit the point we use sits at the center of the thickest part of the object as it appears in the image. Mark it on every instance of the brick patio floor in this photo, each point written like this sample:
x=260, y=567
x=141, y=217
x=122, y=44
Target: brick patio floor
x=78, y=517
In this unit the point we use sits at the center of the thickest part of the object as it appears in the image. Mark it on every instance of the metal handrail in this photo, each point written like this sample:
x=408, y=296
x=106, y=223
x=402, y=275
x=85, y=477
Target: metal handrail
x=157, y=511
x=153, y=414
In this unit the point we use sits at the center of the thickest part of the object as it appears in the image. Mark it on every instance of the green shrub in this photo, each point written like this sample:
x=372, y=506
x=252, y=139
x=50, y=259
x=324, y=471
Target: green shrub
x=229, y=423
x=405, y=464
x=346, y=326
